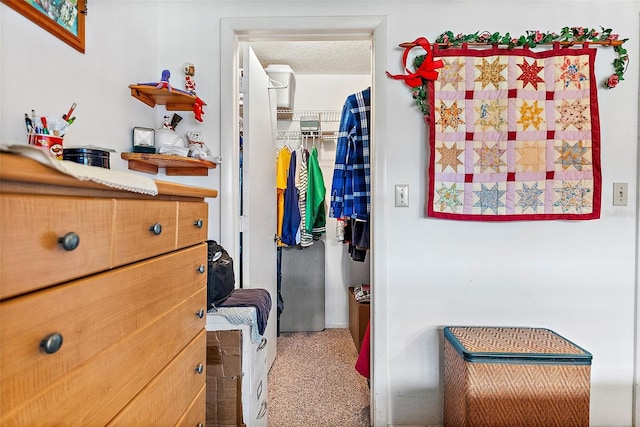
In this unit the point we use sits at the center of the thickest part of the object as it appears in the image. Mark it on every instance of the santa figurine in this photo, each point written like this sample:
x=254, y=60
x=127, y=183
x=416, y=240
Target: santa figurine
x=189, y=82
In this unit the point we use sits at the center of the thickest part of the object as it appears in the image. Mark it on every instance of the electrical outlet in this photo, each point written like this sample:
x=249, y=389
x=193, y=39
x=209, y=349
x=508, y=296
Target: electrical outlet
x=620, y=190
x=402, y=196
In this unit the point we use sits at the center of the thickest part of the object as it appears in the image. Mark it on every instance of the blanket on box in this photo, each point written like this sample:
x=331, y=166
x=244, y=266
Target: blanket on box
x=514, y=135
x=258, y=298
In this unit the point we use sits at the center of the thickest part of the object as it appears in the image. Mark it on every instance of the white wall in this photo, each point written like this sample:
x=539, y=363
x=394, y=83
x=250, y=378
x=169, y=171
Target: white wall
x=577, y=278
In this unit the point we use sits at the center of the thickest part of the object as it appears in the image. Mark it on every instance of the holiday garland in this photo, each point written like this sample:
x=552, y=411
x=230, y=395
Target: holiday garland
x=568, y=35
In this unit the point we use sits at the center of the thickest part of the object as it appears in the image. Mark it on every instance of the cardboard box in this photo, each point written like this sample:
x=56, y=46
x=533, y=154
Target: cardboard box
x=224, y=353
x=224, y=379
x=224, y=401
x=358, y=318
x=505, y=377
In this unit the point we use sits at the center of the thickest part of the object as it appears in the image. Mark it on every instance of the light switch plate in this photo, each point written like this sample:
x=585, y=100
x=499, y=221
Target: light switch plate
x=402, y=196
x=620, y=190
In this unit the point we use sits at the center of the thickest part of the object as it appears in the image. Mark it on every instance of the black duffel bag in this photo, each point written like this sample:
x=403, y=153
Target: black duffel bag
x=220, y=277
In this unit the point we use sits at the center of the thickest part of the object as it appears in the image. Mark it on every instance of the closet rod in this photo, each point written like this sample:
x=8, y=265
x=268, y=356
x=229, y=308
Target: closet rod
x=563, y=43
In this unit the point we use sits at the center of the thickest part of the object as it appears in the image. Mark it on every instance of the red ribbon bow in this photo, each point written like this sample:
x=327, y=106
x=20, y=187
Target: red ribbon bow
x=426, y=69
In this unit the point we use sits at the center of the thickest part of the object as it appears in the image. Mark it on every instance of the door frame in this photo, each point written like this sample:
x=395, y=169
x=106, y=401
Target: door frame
x=374, y=28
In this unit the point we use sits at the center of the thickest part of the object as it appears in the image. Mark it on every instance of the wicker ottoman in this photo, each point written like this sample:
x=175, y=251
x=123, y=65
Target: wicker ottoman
x=514, y=377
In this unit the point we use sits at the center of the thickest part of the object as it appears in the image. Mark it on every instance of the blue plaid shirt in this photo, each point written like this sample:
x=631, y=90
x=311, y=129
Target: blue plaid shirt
x=350, y=190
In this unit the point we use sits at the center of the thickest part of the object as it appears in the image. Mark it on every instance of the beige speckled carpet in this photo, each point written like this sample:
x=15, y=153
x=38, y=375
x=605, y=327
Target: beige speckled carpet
x=313, y=382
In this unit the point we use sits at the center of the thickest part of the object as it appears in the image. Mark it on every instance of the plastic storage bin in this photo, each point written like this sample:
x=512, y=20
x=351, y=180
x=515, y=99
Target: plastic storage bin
x=284, y=75
x=495, y=376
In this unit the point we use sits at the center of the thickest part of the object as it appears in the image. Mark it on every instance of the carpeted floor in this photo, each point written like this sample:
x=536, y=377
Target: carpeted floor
x=313, y=382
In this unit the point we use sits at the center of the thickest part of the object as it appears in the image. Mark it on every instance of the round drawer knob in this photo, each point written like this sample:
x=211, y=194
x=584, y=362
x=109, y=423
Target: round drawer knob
x=52, y=343
x=156, y=228
x=200, y=269
x=198, y=223
x=200, y=368
x=200, y=313
x=69, y=241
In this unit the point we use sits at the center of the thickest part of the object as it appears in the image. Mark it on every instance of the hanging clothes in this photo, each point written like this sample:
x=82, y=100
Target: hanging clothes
x=350, y=186
x=302, y=183
x=316, y=216
x=356, y=234
x=350, y=196
x=291, y=220
x=282, y=170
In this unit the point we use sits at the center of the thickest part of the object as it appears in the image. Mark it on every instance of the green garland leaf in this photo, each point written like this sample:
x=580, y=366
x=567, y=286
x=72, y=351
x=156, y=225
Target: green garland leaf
x=531, y=39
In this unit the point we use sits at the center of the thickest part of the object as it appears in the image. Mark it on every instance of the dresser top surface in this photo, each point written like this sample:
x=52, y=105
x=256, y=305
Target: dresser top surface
x=22, y=174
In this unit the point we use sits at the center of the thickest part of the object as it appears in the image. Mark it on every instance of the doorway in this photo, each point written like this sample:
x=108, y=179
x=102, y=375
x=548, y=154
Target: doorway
x=236, y=30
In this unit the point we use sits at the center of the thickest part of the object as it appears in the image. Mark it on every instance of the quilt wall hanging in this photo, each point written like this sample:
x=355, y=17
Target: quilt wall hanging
x=514, y=134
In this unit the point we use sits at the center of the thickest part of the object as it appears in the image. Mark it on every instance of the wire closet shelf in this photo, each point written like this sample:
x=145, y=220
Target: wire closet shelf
x=313, y=125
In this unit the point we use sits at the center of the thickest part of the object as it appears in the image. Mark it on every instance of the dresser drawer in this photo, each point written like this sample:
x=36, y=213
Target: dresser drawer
x=91, y=315
x=94, y=392
x=31, y=226
x=193, y=223
x=167, y=397
x=143, y=229
x=195, y=415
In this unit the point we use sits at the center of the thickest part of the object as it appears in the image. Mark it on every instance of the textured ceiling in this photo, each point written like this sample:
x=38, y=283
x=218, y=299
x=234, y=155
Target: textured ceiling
x=317, y=57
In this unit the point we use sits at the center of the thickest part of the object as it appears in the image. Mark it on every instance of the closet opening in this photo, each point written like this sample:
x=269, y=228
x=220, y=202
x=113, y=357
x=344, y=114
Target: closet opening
x=257, y=267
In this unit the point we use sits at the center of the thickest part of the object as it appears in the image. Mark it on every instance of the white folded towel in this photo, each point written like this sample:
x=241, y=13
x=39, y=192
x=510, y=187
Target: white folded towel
x=116, y=179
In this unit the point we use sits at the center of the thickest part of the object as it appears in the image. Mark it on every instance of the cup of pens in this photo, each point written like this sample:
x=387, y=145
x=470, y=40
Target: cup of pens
x=47, y=132
x=50, y=143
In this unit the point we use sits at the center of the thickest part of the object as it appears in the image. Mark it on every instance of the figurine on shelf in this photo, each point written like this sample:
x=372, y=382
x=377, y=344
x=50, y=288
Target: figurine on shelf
x=175, y=120
x=163, y=83
x=189, y=82
x=197, y=147
x=197, y=109
x=192, y=101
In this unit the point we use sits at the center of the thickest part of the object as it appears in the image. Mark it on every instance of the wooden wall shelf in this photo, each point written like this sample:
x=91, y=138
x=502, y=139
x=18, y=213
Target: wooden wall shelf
x=175, y=165
x=173, y=101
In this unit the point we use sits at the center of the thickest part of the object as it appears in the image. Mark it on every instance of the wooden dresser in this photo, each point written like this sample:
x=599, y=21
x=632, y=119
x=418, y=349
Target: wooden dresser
x=102, y=301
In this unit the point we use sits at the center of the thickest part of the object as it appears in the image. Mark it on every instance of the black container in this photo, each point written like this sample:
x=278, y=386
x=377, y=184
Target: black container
x=87, y=156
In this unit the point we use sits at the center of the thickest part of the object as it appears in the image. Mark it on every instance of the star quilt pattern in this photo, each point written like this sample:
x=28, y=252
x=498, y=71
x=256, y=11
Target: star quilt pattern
x=514, y=135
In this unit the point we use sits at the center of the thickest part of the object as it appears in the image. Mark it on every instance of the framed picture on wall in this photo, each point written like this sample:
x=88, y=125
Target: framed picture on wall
x=62, y=18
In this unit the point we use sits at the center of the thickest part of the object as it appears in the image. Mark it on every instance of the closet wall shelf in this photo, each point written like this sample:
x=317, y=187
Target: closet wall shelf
x=173, y=101
x=296, y=115
x=296, y=135
x=175, y=165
